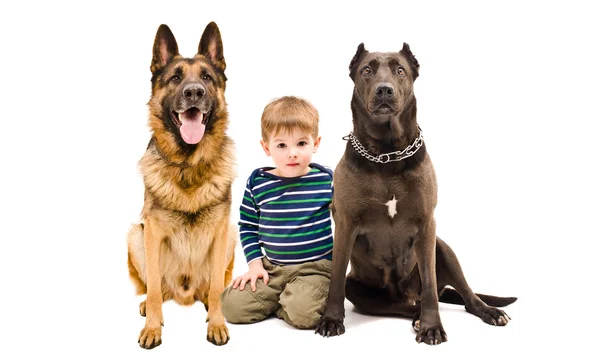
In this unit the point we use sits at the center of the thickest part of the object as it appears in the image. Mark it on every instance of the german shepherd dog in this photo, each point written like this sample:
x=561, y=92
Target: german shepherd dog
x=183, y=249
x=398, y=264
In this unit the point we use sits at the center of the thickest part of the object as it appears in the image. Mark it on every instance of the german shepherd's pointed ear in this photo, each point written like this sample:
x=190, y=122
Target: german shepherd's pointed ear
x=405, y=51
x=355, y=61
x=165, y=48
x=211, y=45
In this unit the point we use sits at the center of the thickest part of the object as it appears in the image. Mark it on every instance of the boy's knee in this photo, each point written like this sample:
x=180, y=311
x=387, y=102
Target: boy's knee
x=242, y=307
x=303, y=302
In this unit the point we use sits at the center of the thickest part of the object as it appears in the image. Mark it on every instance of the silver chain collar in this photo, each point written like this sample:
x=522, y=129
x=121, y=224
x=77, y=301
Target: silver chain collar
x=387, y=157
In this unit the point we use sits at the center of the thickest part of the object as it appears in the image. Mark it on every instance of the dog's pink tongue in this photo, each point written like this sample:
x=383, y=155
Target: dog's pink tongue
x=192, y=129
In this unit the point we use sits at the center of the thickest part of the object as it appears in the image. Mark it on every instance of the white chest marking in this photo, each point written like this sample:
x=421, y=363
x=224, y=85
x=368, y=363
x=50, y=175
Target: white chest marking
x=391, y=206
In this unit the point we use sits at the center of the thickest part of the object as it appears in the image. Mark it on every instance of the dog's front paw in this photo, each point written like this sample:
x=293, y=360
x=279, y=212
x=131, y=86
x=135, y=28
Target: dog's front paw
x=328, y=326
x=431, y=335
x=150, y=337
x=217, y=334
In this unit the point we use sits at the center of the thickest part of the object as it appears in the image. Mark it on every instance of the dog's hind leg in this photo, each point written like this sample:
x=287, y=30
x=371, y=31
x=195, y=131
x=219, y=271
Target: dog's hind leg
x=143, y=308
x=229, y=272
x=232, y=242
x=136, y=261
x=377, y=301
x=135, y=257
x=450, y=273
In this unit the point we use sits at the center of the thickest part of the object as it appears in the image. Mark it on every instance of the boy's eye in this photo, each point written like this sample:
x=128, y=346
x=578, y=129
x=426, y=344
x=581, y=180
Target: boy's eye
x=302, y=144
x=281, y=145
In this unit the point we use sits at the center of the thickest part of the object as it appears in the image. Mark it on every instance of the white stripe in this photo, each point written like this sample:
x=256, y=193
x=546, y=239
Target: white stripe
x=298, y=243
x=305, y=192
x=248, y=208
x=299, y=260
x=293, y=226
x=291, y=193
x=264, y=184
x=249, y=231
x=250, y=245
x=248, y=222
x=315, y=175
x=293, y=210
x=268, y=199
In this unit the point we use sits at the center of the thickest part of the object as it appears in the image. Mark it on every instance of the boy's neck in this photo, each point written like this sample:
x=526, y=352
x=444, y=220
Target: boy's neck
x=276, y=172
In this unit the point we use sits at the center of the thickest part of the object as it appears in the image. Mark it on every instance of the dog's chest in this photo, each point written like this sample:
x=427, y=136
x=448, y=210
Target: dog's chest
x=388, y=201
x=392, y=208
x=188, y=191
x=189, y=245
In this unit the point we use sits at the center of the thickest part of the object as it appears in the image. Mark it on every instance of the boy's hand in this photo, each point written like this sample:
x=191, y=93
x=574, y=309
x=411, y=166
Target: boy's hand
x=255, y=271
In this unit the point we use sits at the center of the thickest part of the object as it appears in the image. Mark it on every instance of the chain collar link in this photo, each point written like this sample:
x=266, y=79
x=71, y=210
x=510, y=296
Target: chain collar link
x=387, y=157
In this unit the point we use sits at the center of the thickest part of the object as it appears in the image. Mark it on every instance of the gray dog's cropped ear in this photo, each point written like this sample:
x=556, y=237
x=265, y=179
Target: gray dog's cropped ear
x=211, y=45
x=165, y=48
x=355, y=61
x=411, y=58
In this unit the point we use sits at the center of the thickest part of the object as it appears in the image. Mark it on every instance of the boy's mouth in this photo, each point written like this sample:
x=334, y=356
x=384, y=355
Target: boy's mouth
x=293, y=164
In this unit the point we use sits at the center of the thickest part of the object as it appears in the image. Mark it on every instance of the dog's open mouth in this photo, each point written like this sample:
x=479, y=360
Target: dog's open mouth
x=191, y=123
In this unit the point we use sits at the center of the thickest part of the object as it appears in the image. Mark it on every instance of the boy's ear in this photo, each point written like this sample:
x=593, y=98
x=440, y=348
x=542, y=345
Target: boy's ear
x=265, y=147
x=317, y=143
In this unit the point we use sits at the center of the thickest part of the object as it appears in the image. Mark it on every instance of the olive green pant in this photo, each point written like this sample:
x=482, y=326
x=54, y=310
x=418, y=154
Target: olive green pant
x=295, y=293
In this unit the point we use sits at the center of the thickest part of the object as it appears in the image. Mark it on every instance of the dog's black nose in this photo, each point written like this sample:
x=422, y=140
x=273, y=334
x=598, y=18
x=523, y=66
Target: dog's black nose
x=384, y=90
x=193, y=92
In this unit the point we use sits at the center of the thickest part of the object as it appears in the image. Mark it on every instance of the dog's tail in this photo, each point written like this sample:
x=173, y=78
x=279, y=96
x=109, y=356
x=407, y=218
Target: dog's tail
x=451, y=296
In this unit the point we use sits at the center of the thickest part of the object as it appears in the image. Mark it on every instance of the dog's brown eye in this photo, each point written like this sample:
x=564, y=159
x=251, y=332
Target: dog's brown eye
x=175, y=78
x=366, y=70
x=400, y=71
x=206, y=77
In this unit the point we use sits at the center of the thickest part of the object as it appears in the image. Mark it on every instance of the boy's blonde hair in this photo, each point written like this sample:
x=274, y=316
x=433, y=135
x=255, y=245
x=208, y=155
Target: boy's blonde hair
x=287, y=114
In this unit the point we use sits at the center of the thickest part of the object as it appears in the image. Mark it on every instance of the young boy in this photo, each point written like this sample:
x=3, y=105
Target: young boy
x=285, y=224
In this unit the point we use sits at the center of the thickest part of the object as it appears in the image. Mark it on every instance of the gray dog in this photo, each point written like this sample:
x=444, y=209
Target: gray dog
x=385, y=196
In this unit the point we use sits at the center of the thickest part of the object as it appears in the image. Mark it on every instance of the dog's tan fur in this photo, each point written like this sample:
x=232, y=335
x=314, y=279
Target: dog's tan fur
x=184, y=248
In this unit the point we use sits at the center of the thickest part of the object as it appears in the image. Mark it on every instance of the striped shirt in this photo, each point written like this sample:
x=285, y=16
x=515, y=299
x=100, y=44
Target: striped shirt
x=288, y=220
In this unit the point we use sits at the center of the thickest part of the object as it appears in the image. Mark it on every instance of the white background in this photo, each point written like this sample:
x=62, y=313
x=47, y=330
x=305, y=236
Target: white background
x=507, y=99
